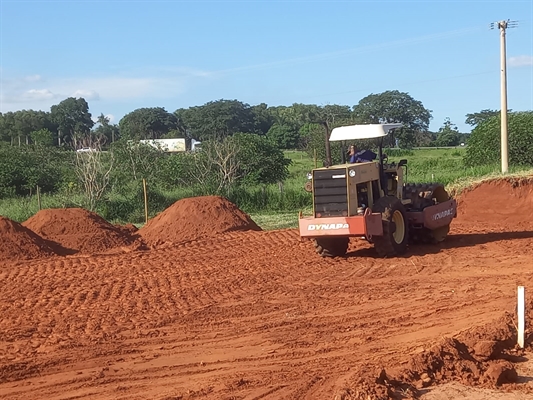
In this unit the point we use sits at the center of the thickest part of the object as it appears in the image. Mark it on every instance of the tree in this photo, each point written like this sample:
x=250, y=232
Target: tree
x=105, y=132
x=134, y=161
x=216, y=169
x=306, y=136
x=260, y=161
x=147, y=123
x=7, y=123
x=287, y=122
x=475, y=119
x=484, y=146
x=284, y=136
x=448, y=135
x=42, y=137
x=395, y=107
x=424, y=139
x=73, y=120
x=180, y=123
x=24, y=124
x=94, y=173
x=4, y=137
x=329, y=117
x=263, y=118
x=314, y=135
x=218, y=119
x=17, y=126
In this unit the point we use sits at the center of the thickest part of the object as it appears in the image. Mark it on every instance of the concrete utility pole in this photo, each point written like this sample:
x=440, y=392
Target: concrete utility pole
x=502, y=26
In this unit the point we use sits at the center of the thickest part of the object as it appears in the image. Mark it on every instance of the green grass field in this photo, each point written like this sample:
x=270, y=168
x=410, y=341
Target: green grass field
x=442, y=165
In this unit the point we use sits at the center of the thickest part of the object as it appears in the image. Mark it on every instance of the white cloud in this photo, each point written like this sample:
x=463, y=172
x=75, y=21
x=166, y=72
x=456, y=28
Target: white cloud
x=86, y=94
x=39, y=94
x=521, y=61
x=121, y=88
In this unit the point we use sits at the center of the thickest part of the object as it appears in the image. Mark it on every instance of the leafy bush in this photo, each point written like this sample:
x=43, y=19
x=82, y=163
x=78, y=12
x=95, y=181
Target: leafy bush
x=133, y=162
x=284, y=136
x=484, y=146
x=24, y=168
x=177, y=170
x=260, y=161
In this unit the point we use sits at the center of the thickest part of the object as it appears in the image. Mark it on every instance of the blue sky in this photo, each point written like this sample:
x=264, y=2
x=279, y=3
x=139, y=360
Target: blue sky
x=124, y=55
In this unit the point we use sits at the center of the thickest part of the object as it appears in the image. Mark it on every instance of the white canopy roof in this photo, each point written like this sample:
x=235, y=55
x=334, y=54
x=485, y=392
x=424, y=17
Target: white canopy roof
x=368, y=131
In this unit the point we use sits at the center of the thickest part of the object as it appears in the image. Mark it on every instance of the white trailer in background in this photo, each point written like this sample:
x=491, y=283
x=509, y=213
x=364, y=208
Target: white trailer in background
x=172, y=145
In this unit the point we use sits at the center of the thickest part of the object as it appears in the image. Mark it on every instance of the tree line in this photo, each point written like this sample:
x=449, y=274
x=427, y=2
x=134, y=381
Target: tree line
x=298, y=126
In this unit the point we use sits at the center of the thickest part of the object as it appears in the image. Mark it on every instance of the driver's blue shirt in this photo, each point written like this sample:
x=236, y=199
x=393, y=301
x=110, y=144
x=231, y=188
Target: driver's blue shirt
x=363, y=156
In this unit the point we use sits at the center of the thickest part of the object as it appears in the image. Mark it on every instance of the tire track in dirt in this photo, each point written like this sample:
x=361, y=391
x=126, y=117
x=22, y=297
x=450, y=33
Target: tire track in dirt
x=237, y=314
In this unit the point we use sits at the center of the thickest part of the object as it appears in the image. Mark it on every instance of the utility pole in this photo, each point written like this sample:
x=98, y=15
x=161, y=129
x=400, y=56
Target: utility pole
x=502, y=26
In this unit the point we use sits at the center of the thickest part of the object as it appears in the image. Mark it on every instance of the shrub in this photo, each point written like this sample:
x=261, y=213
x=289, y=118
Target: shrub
x=24, y=168
x=484, y=146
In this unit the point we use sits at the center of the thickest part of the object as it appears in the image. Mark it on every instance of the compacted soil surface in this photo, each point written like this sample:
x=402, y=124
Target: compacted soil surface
x=239, y=313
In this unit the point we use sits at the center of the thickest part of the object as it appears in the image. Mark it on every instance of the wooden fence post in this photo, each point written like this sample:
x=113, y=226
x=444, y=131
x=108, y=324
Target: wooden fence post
x=145, y=201
x=39, y=198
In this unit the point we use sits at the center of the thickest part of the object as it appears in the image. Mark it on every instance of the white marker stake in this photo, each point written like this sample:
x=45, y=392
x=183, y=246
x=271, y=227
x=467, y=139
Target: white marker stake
x=521, y=315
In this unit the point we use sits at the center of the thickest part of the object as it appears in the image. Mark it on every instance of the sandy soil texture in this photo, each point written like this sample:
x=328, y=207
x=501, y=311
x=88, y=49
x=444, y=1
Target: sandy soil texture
x=259, y=315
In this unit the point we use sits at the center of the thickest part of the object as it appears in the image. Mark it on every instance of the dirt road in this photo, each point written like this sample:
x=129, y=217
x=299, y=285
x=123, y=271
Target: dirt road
x=250, y=315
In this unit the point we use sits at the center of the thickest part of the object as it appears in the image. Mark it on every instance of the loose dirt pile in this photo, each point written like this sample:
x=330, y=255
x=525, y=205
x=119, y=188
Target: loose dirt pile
x=78, y=230
x=506, y=203
x=483, y=357
x=20, y=243
x=195, y=218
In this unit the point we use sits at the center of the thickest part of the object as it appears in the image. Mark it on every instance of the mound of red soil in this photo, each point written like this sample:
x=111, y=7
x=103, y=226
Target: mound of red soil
x=478, y=357
x=20, y=243
x=129, y=229
x=194, y=218
x=78, y=229
x=505, y=202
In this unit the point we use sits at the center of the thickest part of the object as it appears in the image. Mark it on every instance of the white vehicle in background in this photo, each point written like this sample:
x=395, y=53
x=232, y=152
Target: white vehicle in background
x=85, y=150
x=176, y=145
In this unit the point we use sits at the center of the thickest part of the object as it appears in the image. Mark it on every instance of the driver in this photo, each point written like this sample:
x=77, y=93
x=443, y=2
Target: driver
x=355, y=156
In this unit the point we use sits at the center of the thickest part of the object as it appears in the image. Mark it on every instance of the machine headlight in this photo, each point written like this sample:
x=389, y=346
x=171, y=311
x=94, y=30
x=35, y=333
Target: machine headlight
x=351, y=173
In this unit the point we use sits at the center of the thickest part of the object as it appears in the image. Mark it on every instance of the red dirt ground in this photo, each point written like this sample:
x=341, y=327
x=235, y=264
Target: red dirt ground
x=195, y=218
x=79, y=230
x=258, y=315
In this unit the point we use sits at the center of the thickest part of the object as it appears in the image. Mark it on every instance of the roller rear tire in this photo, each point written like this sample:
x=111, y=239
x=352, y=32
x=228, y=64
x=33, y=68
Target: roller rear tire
x=395, y=228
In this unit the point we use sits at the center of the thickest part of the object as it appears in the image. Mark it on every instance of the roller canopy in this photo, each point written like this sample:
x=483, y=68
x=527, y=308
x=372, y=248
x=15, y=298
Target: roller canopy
x=368, y=131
